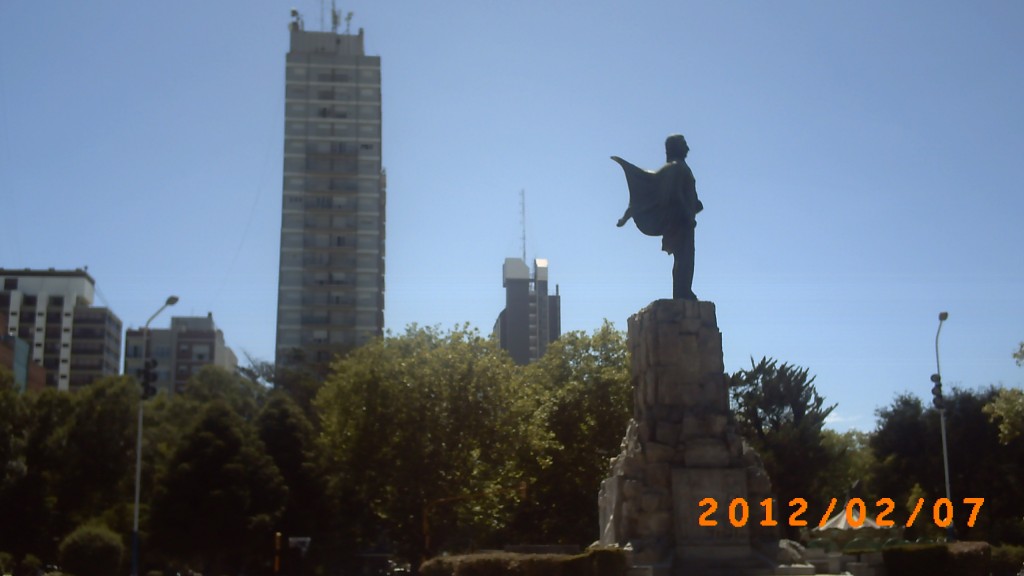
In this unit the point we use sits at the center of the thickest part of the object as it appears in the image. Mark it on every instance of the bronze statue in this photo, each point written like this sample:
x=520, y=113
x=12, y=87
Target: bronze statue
x=665, y=203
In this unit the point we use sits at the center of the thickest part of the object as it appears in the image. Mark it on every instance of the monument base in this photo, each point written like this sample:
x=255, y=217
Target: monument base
x=681, y=449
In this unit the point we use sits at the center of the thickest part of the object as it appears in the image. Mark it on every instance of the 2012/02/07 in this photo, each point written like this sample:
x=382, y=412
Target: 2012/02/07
x=738, y=512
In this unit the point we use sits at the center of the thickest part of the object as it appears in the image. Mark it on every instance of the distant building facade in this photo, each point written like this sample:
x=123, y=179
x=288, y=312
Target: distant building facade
x=331, y=279
x=72, y=340
x=532, y=318
x=16, y=356
x=180, y=351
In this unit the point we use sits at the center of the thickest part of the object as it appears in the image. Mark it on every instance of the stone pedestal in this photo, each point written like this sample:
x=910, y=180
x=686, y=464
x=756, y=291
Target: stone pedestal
x=681, y=448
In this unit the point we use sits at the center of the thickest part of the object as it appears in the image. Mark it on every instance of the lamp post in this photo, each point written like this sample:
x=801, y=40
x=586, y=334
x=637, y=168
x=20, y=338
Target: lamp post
x=146, y=377
x=940, y=403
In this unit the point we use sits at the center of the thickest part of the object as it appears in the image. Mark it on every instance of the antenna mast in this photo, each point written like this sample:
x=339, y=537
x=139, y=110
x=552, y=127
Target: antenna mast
x=335, y=18
x=522, y=207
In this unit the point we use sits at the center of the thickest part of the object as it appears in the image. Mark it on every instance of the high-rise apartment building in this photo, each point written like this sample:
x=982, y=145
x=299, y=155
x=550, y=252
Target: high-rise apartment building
x=52, y=310
x=331, y=283
x=532, y=318
x=180, y=351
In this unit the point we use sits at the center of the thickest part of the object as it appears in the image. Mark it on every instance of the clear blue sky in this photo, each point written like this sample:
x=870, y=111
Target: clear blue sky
x=859, y=164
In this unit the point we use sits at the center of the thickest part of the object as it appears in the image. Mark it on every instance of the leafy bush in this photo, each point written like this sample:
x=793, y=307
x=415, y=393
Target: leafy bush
x=91, y=550
x=916, y=559
x=1007, y=560
x=970, y=558
x=954, y=559
x=30, y=565
x=593, y=562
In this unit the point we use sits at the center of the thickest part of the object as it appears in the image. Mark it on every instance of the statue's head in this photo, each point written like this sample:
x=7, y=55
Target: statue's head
x=675, y=147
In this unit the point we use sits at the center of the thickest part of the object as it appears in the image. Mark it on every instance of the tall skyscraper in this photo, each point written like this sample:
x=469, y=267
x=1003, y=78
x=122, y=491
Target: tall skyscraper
x=331, y=283
x=74, y=341
x=532, y=318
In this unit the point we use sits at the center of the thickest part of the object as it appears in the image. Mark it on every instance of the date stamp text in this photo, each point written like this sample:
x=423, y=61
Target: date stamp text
x=738, y=512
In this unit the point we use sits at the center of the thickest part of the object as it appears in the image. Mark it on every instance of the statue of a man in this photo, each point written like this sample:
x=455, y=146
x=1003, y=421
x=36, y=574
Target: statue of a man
x=665, y=203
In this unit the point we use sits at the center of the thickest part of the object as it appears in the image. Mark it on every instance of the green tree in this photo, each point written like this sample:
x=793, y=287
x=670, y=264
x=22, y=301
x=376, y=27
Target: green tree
x=33, y=508
x=779, y=411
x=583, y=395
x=92, y=550
x=852, y=466
x=1019, y=354
x=290, y=442
x=908, y=447
x=301, y=383
x=419, y=431
x=13, y=424
x=904, y=447
x=1007, y=411
x=99, y=459
x=221, y=496
x=242, y=395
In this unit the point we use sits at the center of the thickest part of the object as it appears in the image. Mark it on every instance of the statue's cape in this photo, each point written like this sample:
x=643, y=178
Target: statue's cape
x=649, y=198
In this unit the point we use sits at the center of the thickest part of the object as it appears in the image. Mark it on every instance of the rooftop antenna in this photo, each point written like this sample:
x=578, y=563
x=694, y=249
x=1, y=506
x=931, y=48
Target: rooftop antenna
x=348, y=22
x=297, y=22
x=335, y=18
x=522, y=207
x=322, y=16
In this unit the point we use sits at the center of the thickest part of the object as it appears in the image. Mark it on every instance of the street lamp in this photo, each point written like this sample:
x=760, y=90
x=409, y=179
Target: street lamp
x=147, y=373
x=940, y=404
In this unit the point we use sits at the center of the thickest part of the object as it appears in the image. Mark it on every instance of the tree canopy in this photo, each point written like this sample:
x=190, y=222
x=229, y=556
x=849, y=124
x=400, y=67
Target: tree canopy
x=779, y=411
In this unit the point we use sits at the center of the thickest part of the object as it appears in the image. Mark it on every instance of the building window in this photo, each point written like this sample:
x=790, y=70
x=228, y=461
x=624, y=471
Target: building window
x=10, y=283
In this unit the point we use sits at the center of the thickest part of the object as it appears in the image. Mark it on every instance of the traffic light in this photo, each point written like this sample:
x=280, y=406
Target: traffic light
x=937, y=400
x=148, y=378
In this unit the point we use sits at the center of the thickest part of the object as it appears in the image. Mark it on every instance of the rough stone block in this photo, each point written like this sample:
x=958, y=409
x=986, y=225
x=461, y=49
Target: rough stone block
x=629, y=512
x=658, y=452
x=693, y=427
x=693, y=397
x=681, y=349
x=689, y=325
x=691, y=308
x=717, y=424
x=710, y=350
x=663, y=413
x=632, y=489
x=670, y=388
x=659, y=475
x=650, y=387
x=630, y=467
x=708, y=316
x=655, y=524
x=706, y=453
x=689, y=487
x=668, y=434
x=651, y=501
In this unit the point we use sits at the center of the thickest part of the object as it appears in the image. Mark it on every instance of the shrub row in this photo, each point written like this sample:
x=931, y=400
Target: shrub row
x=953, y=559
x=594, y=562
x=1007, y=560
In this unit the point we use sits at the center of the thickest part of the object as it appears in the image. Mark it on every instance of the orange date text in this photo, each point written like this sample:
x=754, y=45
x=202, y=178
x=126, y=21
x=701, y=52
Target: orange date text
x=738, y=512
